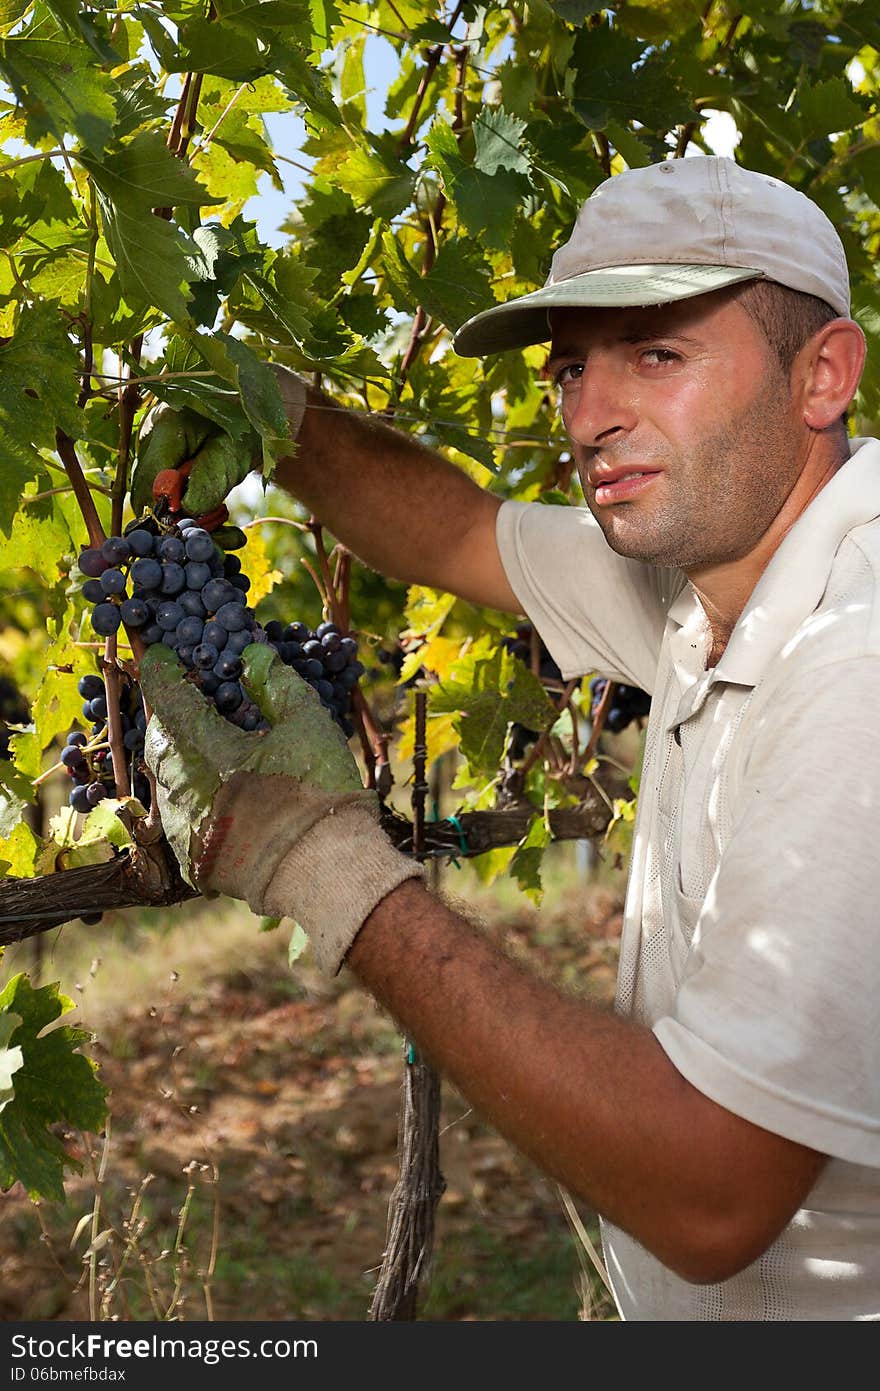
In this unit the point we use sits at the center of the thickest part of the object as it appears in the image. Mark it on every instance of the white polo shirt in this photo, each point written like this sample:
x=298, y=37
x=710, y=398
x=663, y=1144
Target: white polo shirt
x=751, y=938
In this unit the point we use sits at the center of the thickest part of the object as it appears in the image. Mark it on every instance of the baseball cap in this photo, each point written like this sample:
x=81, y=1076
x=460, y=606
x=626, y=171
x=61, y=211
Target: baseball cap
x=667, y=232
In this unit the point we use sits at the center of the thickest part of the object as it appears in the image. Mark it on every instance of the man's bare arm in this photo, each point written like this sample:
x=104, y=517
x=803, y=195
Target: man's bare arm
x=590, y=1097
x=400, y=507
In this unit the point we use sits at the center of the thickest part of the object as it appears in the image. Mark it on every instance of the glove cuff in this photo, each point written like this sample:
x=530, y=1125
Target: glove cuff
x=333, y=878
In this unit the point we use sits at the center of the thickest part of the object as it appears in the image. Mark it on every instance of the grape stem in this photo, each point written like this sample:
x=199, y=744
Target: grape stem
x=114, y=719
x=67, y=453
x=599, y=719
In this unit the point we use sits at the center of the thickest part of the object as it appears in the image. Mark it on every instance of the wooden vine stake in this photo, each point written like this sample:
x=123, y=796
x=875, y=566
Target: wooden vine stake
x=420, y=1185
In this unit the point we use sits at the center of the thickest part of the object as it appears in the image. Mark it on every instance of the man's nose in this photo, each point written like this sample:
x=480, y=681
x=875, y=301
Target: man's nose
x=599, y=405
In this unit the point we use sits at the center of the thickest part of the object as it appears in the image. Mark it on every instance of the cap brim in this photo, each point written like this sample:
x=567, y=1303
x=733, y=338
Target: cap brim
x=524, y=321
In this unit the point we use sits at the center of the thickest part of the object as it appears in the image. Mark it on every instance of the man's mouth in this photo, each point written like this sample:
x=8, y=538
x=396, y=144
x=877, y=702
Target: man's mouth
x=621, y=486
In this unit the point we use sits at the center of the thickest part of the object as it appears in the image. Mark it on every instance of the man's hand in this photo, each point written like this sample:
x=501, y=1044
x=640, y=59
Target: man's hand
x=214, y=463
x=279, y=818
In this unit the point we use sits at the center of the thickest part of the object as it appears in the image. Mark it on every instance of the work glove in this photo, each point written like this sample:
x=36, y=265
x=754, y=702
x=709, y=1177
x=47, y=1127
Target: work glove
x=278, y=818
x=172, y=437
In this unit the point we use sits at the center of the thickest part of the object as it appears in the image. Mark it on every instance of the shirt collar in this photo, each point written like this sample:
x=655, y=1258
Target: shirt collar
x=793, y=583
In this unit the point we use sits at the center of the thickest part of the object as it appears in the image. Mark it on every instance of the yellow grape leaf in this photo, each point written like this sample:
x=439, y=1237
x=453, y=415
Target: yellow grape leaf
x=493, y=863
x=18, y=852
x=441, y=736
x=256, y=565
x=437, y=655
x=426, y=610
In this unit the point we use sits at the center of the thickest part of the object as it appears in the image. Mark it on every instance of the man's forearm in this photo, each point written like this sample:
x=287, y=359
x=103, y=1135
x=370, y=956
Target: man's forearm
x=400, y=507
x=590, y=1097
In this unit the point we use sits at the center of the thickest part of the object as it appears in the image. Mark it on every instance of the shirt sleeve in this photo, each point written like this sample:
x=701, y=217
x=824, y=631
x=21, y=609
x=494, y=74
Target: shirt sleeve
x=594, y=609
x=776, y=1015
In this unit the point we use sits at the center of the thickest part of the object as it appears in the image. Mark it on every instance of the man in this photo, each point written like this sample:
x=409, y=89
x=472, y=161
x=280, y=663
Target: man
x=725, y=1120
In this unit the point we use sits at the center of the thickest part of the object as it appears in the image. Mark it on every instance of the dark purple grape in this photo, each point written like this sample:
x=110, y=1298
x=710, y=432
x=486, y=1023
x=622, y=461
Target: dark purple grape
x=239, y=641
x=95, y=793
x=216, y=593
x=232, y=567
x=116, y=550
x=133, y=739
x=314, y=669
x=112, y=582
x=252, y=719
x=189, y=631
x=76, y=739
x=185, y=523
x=274, y=630
x=93, y=591
x=90, y=686
x=228, y=696
x=325, y=691
x=78, y=799
x=216, y=634
x=168, y=615
x=324, y=628
x=141, y=542
x=191, y=603
x=173, y=578
x=241, y=582
x=336, y=661
x=151, y=633
x=147, y=573
x=209, y=682
x=199, y=544
x=92, y=563
x=169, y=638
x=227, y=665
x=171, y=548
x=331, y=642
x=348, y=678
x=231, y=616
x=313, y=648
x=349, y=647
x=105, y=620
x=140, y=719
x=185, y=655
x=97, y=708
x=135, y=613
x=198, y=574
x=297, y=632
x=72, y=756
x=205, y=655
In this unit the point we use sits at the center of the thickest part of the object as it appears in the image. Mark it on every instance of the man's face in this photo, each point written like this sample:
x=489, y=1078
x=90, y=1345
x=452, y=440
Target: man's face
x=688, y=397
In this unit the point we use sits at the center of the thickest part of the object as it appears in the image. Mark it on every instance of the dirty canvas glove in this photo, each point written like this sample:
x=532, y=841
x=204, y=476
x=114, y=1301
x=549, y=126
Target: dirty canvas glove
x=279, y=818
x=170, y=437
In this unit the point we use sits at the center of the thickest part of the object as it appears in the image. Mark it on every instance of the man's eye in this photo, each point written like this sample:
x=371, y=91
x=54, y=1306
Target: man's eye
x=659, y=355
x=568, y=374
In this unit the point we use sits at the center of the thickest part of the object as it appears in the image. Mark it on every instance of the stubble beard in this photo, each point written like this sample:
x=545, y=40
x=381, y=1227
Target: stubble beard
x=720, y=498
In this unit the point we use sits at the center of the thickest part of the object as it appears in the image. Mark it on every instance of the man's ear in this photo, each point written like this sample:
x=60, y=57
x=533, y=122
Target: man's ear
x=828, y=369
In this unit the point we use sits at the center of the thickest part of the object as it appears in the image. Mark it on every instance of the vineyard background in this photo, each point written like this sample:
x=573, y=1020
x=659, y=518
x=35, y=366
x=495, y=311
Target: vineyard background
x=441, y=153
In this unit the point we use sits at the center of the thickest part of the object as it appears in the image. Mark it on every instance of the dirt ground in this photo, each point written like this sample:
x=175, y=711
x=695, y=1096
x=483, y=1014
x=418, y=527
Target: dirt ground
x=253, y=1137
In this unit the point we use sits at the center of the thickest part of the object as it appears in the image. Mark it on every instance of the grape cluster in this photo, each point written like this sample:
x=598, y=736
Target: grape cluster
x=325, y=658
x=180, y=588
x=630, y=703
x=13, y=710
x=88, y=761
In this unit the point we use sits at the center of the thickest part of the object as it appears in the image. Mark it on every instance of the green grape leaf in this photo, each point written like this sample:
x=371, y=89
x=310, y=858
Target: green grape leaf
x=151, y=256
x=11, y=1059
x=377, y=179
x=60, y=88
x=38, y=390
x=16, y=791
x=489, y=689
x=826, y=107
x=56, y=1084
x=457, y=286
x=144, y=174
x=486, y=203
x=525, y=866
